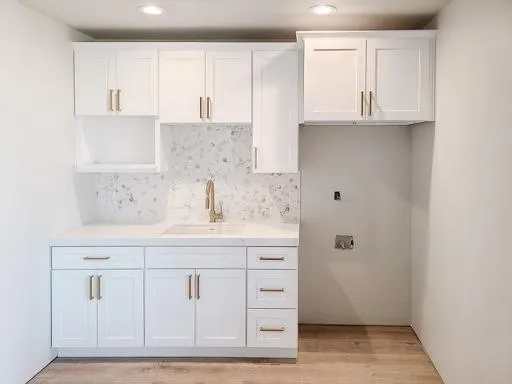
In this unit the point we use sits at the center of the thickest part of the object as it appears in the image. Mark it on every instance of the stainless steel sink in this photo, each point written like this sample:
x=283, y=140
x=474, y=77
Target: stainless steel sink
x=207, y=229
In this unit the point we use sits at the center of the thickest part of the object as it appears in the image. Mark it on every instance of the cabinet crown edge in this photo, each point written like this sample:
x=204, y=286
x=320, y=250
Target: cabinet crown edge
x=398, y=34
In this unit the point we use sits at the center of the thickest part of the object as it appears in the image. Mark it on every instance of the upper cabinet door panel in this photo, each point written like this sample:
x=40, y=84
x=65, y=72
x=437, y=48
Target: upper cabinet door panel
x=400, y=79
x=334, y=79
x=94, y=78
x=182, y=86
x=276, y=114
x=228, y=86
x=137, y=82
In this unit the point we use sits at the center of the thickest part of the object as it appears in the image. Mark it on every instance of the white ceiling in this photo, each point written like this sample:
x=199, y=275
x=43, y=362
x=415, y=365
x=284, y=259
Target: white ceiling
x=224, y=18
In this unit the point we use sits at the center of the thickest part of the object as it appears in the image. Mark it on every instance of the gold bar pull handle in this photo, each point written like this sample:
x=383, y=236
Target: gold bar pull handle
x=371, y=103
x=88, y=258
x=271, y=289
x=208, y=107
x=255, y=157
x=201, y=108
x=118, y=101
x=362, y=103
x=111, y=100
x=99, y=297
x=190, y=287
x=91, y=295
x=270, y=258
x=198, y=293
x=264, y=329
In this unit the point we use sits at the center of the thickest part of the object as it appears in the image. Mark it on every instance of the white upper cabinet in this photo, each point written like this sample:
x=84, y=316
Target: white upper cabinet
x=399, y=80
x=220, y=308
x=182, y=86
x=228, y=86
x=334, y=79
x=170, y=308
x=120, y=297
x=275, y=111
x=203, y=86
x=368, y=77
x=115, y=81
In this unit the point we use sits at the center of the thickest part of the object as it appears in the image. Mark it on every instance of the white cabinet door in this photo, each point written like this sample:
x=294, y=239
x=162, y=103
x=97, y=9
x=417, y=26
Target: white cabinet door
x=137, y=82
x=220, y=308
x=334, y=79
x=94, y=81
x=120, y=308
x=276, y=112
x=228, y=86
x=74, y=309
x=170, y=307
x=182, y=86
x=399, y=77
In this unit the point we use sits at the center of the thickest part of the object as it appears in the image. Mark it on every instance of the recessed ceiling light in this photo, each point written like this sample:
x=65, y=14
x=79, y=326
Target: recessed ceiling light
x=150, y=9
x=322, y=9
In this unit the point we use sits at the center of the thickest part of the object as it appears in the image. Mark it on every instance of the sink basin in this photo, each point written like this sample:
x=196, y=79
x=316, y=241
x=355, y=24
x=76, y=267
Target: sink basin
x=211, y=229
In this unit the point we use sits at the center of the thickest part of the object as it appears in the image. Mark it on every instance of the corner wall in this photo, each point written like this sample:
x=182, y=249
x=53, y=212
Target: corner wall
x=462, y=199
x=37, y=197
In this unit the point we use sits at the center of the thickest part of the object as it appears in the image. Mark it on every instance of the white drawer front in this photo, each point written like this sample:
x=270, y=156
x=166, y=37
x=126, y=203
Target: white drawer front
x=272, y=257
x=274, y=328
x=97, y=257
x=272, y=289
x=195, y=257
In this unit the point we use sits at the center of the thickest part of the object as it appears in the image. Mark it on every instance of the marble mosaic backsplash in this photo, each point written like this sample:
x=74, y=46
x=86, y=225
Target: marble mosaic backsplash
x=195, y=154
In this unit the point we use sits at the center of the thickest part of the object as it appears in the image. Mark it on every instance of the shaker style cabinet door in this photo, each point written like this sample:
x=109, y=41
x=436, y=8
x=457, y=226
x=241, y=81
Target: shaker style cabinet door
x=400, y=80
x=228, y=86
x=220, y=308
x=334, y=79
x=95, y=81
x=182, y=86
x=120, y=308
x=137, y=83
x=275, y=112
x=170, y=307
x=74, y=309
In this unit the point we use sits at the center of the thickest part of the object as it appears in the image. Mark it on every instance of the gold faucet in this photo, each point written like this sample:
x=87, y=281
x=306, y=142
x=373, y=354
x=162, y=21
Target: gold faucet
x=210, y=202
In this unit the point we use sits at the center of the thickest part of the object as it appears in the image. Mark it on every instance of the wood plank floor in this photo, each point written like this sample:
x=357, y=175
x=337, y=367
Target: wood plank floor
x=327, y=355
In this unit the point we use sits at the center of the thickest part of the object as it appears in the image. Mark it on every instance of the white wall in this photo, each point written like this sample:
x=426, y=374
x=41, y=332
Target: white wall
x=462, y=199
x=371, y=168
x=37, y=195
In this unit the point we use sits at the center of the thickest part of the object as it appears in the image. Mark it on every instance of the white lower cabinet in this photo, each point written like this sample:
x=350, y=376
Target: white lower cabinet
x=170, y=308
x=272, y=328
x=220, y=308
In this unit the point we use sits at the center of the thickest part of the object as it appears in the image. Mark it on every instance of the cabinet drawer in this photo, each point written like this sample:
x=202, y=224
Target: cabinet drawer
x=195, y=257
x=272, y=258
x=272, y=289
x=275, y=328
x=97, y=257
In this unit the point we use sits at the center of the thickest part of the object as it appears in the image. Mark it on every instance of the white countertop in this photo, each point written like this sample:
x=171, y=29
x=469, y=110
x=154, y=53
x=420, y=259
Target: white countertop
x=186, y=234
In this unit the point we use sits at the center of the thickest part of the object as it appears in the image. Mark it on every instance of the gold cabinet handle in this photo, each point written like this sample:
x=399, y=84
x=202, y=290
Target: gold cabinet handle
x=208, y=108
x=99, y=297
x=89, y=258
x=111, y=100
x=118, y=101
x=271, y=289
x=269, y=258
x=91, y=296
x=198, y=294
x=263, y=329
x=362, y=103
x=371, y=103
x=190, y=287
x=255, y=157
x=201, y=108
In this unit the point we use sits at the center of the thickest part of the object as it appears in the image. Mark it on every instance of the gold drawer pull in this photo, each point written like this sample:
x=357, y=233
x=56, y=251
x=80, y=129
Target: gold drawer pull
x=271, y=289
x=99, y=297
x=97, y=258
x=91, y=295
x=266, y=258
x=190, y=287
x=263, y=329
